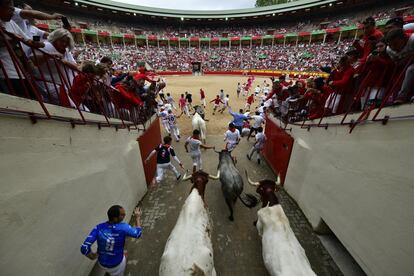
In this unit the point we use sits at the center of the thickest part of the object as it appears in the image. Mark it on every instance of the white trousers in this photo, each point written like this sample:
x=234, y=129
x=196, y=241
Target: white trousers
x=161, y=169
x=175, y=131
x=332, y=102
x=185, y=110
x=253, y=150
x=117, y=270
x=166, y=125
x=231, y=145
x=203, y=102
x=372, y=94
x=196, y=160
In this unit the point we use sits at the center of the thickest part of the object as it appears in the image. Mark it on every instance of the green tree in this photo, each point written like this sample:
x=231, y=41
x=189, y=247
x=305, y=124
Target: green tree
x=263, y=3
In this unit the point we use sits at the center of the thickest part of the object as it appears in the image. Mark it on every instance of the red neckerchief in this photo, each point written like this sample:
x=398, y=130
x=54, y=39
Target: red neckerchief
x=195, y=138
x=167, y=145
x=232, y=129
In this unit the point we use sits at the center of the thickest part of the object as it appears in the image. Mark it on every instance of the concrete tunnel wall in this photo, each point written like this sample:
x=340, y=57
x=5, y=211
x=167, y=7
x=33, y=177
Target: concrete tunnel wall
x=362, y=185
x=57, y=183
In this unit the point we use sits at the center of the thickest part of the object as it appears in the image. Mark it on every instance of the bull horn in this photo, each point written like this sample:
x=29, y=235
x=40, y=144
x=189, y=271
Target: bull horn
x=250, y=181
x=278, y=180
x=186, y=177
x=214, y=177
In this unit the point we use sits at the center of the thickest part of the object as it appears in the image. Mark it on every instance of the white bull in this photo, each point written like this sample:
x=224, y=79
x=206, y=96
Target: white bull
x=282, y=253
x=189, y=250
x=200, y=124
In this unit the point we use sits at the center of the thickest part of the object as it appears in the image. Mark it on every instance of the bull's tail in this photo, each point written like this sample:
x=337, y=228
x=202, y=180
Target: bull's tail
x=249, y=200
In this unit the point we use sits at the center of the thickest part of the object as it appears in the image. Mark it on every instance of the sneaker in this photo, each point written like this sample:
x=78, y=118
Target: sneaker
x=179, y=137
x=178, y=177
x=248, y=157
x=258, y=161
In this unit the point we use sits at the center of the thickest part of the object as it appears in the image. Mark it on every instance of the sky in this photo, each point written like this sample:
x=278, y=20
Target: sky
x=193, y=4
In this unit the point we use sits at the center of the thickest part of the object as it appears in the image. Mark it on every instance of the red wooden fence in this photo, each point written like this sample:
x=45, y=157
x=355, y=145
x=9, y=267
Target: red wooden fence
x=278, y=149
x=147, y=142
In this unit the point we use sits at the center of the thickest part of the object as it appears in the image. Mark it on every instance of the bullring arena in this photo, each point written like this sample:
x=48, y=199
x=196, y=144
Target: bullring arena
x=95, y=181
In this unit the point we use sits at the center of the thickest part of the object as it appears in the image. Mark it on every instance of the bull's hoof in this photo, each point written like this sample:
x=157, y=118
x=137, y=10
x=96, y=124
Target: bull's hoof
x=231, y=218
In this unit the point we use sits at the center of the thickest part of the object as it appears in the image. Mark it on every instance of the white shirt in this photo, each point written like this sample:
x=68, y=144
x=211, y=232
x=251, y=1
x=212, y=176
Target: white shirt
x=266, y=89
x=54, y=70
x=226, y=101
x=268, y=103
x=20, y=21
x=33, y=31
x=11, y=27
x=260, y=140
x=258, y=120
x=261, y=109
x=408, y=27
x=167, y=106
x=232, y=137
x=257, y=90
x=409, y=47
x=194, y=145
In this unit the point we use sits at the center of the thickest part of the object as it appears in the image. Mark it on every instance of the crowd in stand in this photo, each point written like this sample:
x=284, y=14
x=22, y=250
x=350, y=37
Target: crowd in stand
x=301, y=57
x=333, y=21
x=70, y=78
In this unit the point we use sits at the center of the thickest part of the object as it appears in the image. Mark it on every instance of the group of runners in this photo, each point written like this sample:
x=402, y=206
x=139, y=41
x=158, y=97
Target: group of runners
x=240, y=126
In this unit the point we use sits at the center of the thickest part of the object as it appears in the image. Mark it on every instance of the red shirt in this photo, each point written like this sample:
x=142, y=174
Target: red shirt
x=217, y=101
x=182, y=102
x=250, y=99
x=344, y=78
x=377, y=72
x=125, y=98
x=366, y=47
x=202, y=94
x=80, y=87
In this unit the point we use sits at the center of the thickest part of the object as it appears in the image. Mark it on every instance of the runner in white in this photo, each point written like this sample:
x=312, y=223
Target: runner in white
x=258, y=145
x=232, y=136
x=163, y=114
x=258, y=121
x=194, y=143
x=225, y=104
x=257, y=90
x=171, y=101
x=164, y=153
x=172, y=123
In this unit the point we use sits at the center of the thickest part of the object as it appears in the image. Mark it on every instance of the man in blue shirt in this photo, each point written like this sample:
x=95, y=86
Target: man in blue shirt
x=110, y=237
x=238, y=119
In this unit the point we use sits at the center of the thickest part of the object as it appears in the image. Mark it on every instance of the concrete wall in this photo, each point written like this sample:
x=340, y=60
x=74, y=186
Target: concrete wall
x=56, y=185
x=362, y=185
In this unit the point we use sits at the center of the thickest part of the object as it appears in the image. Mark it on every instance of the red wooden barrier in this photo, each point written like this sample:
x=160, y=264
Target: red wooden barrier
x=278, y=149
x=147, y=142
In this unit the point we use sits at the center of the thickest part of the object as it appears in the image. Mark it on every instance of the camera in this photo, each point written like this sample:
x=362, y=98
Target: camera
x=66, y=23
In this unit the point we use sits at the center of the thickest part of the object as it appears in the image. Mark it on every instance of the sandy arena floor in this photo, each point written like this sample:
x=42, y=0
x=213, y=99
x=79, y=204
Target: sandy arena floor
x=211, y=85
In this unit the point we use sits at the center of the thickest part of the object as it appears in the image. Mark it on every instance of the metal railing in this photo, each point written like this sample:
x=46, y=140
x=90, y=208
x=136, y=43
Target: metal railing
x=47, y=79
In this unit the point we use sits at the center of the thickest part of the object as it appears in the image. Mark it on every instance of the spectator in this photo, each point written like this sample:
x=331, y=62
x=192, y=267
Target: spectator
x=400, y=49
x=13, y=36
x=58, y=76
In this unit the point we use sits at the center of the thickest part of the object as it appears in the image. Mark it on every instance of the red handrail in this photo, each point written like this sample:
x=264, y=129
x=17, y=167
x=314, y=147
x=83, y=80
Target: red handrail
x=99, y=97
